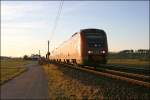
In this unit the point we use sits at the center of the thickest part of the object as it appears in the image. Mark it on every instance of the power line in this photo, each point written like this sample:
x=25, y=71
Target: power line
x=57, y=18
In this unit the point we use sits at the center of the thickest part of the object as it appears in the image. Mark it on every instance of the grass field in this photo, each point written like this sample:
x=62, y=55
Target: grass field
x=14, y=62
x=10, y=68
x=130, y=62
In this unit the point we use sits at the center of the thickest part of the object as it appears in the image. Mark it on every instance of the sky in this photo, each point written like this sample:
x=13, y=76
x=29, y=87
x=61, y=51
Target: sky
x=26, y=26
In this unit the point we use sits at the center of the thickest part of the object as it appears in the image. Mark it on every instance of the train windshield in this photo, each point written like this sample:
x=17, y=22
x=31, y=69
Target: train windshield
x=95, y=40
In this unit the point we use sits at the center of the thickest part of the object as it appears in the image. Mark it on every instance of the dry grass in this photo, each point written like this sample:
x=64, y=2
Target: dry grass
x=10, y=68
x=67, y=83
x=14, y=62
x=60, y=87
x=9, y=73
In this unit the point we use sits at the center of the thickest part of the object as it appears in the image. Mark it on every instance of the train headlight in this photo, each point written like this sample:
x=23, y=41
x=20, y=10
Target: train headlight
x=103, y=51
x=89, y=52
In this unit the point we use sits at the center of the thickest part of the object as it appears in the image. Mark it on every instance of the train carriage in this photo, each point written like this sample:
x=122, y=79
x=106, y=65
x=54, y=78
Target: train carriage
x=87, y=47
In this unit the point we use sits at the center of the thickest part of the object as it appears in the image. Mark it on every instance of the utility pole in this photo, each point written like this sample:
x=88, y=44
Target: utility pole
x=48, y=53
x=48, y=46
x=39, y=53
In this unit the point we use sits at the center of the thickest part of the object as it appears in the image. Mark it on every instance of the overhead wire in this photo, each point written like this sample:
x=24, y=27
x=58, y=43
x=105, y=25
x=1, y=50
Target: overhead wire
x=55, y=25
x=57, y=18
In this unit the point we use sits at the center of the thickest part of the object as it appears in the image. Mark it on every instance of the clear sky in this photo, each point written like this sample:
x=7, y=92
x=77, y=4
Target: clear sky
x=26, y=26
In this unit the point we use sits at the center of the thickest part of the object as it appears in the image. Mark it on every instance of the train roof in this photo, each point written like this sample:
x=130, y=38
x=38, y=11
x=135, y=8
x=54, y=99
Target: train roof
x=91, y=30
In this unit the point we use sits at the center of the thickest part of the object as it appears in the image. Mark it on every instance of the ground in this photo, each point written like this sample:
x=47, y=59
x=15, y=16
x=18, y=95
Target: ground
x=58, y=82
x=67, y=83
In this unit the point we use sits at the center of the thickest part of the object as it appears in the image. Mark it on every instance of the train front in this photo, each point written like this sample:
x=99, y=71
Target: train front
x=94, y=46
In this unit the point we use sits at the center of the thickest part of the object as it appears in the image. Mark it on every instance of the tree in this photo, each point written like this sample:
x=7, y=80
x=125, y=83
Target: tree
x=25, y=57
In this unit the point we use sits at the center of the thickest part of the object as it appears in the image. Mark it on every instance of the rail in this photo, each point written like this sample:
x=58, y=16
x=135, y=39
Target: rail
x=123, y=76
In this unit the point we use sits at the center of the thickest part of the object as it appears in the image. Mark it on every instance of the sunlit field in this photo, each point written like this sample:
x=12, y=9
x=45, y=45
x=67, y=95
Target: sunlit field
x=130, y=62
x=10, y=68
x=14, y=62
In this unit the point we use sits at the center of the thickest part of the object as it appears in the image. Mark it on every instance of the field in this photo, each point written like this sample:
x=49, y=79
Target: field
x=130, y=62
x=67, y=83
x=10, y=68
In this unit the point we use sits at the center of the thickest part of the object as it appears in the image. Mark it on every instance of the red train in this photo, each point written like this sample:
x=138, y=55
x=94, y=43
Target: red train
x=87, y=47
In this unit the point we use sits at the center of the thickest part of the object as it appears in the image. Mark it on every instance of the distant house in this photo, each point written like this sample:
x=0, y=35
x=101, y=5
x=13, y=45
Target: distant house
x=126, y=51
x=143, y=51
x=35, y=56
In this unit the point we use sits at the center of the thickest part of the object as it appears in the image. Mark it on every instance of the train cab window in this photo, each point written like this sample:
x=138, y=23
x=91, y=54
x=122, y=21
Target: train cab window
x=95, y=38
x=95, y=43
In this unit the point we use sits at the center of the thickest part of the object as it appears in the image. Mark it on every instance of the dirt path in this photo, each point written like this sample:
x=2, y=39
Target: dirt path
x=32, y=84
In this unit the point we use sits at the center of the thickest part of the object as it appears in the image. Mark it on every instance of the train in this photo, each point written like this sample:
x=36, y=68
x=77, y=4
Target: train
x=86, y=47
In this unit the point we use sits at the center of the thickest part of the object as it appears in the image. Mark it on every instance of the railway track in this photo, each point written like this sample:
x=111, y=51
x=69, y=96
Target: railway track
x=132, y=78
x=121, y=73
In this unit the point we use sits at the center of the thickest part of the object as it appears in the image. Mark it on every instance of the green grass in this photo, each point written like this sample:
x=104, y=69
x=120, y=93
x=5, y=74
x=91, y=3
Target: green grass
x=130, y=62
x=10, y=68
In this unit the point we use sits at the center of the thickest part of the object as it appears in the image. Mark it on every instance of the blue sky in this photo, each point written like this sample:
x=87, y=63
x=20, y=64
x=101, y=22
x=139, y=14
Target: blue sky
x=26, y=26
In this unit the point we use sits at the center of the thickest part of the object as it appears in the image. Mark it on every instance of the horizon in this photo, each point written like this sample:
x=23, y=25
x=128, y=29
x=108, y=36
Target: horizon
x=44, y=55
